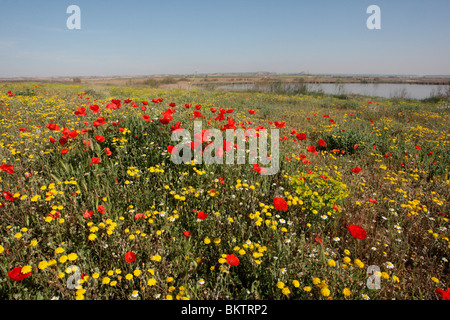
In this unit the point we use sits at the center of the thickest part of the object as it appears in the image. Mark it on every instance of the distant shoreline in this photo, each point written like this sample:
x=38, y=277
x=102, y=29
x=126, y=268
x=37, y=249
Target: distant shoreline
x=231, y=79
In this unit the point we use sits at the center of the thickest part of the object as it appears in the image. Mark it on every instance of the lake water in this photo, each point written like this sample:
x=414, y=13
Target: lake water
x=385, y=90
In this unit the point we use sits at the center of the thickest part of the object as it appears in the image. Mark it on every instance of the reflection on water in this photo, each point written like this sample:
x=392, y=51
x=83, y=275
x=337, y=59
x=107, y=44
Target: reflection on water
x=385, y=90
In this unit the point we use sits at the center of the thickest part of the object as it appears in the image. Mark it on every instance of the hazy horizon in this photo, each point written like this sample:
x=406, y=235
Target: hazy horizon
x=138, y=38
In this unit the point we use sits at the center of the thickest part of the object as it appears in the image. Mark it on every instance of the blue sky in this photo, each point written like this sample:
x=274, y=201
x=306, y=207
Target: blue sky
x=184, y=36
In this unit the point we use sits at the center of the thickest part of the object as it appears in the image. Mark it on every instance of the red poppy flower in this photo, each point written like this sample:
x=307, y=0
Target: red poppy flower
x=108, y=152
x=55, y=215
x=171, y=149
x=72, y=134
x=301, y=136
x=130, y=257
x=139, y=216
x=114, y=104
x=251, y=111
x=312, y=149
x=444, y=294
x=52, y=140
x=198, y=114
x=100, y=138
x=322, y=143
x=80, y=112
x=176, y=127
x=8, y=196
x=201, y=215
x=100, y=121
x=95, y=160
x=232, y=260
x=280, y=204
x=87, y=214
x=164, y=120
x=258, y=169
x=318, y=240
x=53, y=127
x=7, y=168
x=280, y=124
x=101, y=209
x=94, y=108
x=64, y=151
x=146, y=117
x=62, y=141
x=17, y=275
x=357, y=232
x=372, y=200
x=356, y=170
x=186, y=234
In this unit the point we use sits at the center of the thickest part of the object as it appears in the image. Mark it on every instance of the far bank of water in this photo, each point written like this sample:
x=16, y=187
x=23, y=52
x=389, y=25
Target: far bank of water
x=385, y=90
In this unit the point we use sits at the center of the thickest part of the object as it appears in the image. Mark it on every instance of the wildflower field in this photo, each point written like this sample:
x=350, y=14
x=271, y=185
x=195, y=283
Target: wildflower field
x=93, y=207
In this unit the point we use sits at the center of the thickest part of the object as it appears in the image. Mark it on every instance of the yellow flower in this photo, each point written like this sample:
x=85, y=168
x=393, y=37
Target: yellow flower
x=331, y=263
x=347, y=260
x=156, y=257
x=346, y=292
x=435, y=279
x=106, y=280
x=73, y=256
x=43, y=265
x=169, y=279
x=316, y=281
x=1, y=249
x=307, y=289
x=92, y=237
x=285, y=291
x=63, y=259
x=280, y=285
x=207, y=240
x=325, y=291
x=51, y=262
x=59, y=250
x=26, y=269
x=359, y=263
x=296, y=283
x=95, y=275
x=137, y=273
x=151, y=282
x=129, y=276
x=18, y=235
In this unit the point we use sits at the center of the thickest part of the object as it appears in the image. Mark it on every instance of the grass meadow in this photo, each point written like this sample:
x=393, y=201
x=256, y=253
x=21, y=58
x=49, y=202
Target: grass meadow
x=92, y=207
